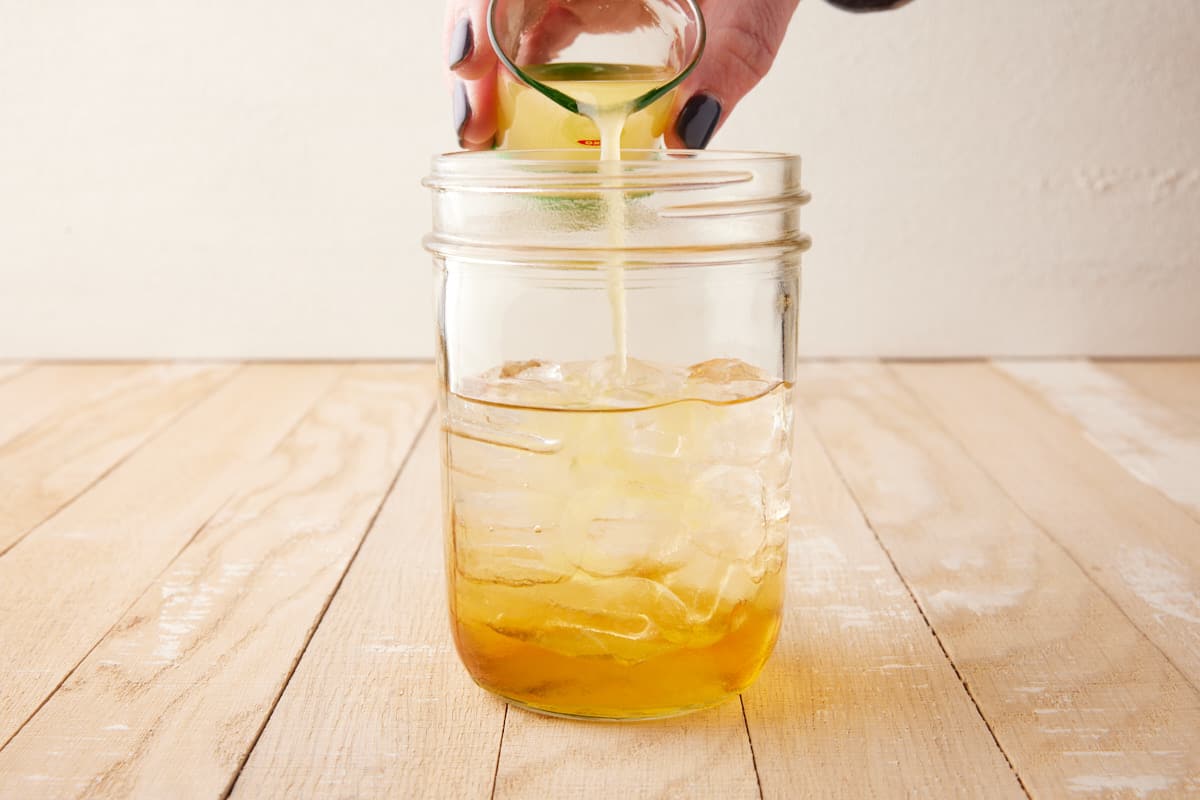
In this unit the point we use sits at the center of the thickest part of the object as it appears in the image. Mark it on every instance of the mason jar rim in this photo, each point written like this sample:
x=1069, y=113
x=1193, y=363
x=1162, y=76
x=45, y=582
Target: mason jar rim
x=562, y=170
x=699, y=188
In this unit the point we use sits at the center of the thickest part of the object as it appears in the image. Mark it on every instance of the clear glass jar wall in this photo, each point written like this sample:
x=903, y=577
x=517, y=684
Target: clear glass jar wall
x=616, y=528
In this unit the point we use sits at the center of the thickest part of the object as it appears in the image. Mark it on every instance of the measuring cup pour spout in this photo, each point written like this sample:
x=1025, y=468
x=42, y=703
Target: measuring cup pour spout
x=666, y=36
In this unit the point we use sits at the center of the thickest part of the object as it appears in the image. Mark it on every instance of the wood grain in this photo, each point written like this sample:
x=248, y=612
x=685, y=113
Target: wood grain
x=68, y=582
x=1077, y=697
x=1153, y=443
x=1175, y=384
x=51, y=463
x=704, y=755
x=859, y=700
x=41, y=391
x=990, y=587
x=190, y=673
x=379, y=705
x=1135, y=543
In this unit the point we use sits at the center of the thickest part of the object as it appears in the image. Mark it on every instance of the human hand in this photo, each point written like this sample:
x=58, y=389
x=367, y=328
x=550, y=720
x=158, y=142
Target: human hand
x=743, y=39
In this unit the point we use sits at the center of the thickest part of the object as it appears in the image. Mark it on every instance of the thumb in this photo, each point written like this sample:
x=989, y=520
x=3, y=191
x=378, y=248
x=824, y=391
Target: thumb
x=743, y=39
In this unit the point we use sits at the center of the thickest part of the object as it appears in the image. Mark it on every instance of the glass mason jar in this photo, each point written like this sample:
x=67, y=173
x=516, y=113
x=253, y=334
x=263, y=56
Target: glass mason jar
x=616, y=345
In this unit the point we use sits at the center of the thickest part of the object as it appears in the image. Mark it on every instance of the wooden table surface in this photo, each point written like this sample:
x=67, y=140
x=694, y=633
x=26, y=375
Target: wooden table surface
x=226, y=580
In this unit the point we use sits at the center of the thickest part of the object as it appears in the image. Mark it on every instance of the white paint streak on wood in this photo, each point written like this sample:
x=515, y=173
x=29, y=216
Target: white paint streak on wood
x=857, y=683
x=192, y=669
x=140, y=516
x=1156, y=445
x=1139, y=786
x=1162, y=582
x=1009, y=605
x=1174, y=384
x=1137, y=544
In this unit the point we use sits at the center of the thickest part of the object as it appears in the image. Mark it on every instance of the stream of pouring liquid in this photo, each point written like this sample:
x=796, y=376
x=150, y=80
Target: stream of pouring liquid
x=608, y=102
x=611, y=123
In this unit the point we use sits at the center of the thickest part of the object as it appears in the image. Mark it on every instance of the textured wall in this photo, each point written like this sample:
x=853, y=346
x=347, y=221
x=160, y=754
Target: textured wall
x=229, y=178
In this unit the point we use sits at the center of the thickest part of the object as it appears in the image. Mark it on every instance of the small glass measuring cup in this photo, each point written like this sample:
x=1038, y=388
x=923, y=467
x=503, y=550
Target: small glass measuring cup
x=644, y=46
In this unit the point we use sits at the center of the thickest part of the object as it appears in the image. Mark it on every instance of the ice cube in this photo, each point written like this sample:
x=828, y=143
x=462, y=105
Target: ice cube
x=647, y=439
x=534, y=383
x=624, y=528
x=725, y=370
x=726, y=379
x=627, y=618
x=510, y=537
x=642, y=543
x=753, y=433
x=771, y=556
x=642, y=383
x=726, y=513
x=710, y=588
x=532, y=370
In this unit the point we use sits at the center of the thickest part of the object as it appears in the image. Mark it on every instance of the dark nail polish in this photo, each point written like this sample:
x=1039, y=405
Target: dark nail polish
x=462, y=42
x=698, y=121
x=462, y=110
x=867, y=5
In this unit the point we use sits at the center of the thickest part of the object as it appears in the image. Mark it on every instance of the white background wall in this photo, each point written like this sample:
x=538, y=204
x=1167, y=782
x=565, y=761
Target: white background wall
x=202, y=178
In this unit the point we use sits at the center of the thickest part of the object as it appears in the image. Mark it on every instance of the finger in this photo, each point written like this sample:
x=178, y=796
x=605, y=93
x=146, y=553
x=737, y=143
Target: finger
x=555, y=30
x=558, y=24
x=472, y=64
x=469, y=54
x=606, y=17
x=743, y=39
x=474, y=111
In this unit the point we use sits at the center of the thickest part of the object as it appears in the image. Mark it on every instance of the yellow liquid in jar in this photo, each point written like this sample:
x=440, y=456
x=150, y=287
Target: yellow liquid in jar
x=615, y=551
x=619, y=562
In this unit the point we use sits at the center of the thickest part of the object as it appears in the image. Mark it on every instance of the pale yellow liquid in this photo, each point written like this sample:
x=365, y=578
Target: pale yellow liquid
x=620, y=555
x=605, y=94
x=528, y=120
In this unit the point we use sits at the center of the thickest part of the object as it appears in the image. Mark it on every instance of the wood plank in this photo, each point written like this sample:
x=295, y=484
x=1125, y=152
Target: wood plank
x=1154, y=444
x=68, y=582
x=51, y=463
x=191, y=672
x=1139, y=546
x=859, y=700
x=704, y=755
x=379, y=705
x=10, y=368
x=1175, y=384
x=45, y=390
x=1077, y=697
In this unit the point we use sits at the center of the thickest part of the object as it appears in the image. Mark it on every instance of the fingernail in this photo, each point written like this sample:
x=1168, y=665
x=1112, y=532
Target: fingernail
x=698, y=121
x=867, y=5
x=462, y=42
x=462, y=110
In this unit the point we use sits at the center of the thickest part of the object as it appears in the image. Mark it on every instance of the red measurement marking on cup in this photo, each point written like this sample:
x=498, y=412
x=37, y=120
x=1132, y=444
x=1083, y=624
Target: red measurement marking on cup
x=589, y=142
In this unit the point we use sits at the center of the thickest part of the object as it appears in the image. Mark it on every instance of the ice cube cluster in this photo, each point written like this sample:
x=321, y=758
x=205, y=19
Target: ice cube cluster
x=626, y=513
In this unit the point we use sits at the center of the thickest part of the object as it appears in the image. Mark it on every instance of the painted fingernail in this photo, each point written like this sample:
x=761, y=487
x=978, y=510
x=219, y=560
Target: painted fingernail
x=462, y=42
x=462, y=110
x=698, y=121
x=867, y=5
